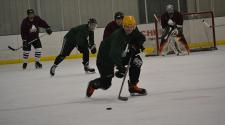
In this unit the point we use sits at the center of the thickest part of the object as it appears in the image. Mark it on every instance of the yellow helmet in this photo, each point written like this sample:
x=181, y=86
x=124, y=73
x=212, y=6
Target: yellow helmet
x=129, y=21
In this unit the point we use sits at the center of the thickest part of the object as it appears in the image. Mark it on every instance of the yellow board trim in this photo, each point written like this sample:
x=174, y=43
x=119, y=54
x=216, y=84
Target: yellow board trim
x=75, y=56
x=44, y=58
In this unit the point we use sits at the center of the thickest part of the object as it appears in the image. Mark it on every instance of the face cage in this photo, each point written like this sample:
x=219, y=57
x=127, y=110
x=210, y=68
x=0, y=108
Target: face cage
x=92, y=26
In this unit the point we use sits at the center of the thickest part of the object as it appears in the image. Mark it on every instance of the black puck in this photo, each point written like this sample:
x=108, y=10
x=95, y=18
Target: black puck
x=108, y=108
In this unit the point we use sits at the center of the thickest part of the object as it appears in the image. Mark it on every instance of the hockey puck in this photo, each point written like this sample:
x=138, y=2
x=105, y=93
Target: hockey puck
x=108, y=108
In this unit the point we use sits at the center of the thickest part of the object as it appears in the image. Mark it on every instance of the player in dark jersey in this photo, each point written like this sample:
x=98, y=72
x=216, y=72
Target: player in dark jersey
x=29, y=32
x=116, y=50
x=77, y=37
x=113, y=25
x=172, y=19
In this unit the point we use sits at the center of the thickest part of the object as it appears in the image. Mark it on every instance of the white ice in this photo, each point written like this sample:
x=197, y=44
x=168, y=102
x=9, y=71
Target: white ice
x=182, y=90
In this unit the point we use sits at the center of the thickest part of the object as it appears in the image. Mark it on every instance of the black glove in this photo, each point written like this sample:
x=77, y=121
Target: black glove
x=142, y=48
x=48, y=31
x=121, y=72
x=134, y=51
x=93, y=49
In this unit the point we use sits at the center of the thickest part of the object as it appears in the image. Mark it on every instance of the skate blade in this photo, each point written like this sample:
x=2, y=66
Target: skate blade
x=87, y=72
x=138, y=94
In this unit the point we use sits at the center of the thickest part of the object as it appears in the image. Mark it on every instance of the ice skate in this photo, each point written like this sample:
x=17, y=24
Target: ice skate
x=87, y=69
x=136, y=91
x=24, y=66
x=52, y=70
x=90, y=89
x=38, y=65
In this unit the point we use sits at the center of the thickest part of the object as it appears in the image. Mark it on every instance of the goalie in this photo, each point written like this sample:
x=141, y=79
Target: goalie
x=171, y=21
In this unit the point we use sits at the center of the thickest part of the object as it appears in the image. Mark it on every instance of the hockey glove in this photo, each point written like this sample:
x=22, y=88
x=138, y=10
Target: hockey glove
x=121, y=72
x=134, y=51
x=93, y=49
x=142, y=48
x=48, y=31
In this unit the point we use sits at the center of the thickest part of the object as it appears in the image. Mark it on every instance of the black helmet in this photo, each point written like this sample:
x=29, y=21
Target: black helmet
x=118, y=15
x=92, y=20
x=30, y=11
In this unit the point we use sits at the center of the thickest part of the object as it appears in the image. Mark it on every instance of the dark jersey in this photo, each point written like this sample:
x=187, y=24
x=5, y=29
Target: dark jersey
x=177, y=18
x=30, y=29
x=78, y=35
x=110, y=28
x=111, y=49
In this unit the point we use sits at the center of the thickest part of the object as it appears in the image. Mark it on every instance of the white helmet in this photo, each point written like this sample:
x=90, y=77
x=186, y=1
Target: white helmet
x=169, y=8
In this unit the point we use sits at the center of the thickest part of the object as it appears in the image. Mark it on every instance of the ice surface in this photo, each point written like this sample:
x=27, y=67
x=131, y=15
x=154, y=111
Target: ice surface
x=182, y=90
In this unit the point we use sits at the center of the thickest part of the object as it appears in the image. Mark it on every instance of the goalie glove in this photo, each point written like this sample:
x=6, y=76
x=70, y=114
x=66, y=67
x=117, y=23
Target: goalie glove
x=93, y=49
x=170, y=22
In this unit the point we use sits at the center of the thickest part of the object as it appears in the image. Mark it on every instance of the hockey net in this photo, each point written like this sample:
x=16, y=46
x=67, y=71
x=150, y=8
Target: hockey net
x=198, y=29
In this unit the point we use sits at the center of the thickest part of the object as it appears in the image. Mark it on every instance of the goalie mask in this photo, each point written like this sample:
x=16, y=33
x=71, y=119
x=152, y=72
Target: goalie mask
x=92, y=24
x=170, y=10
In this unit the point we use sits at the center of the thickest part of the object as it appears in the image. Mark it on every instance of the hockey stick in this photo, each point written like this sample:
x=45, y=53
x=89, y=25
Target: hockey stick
x=15, y=49
x=124, y=78
x=206, y=24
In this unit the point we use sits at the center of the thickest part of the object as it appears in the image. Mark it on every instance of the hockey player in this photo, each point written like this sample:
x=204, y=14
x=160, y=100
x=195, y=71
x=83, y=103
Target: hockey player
x=113, y=25
x=29, y=31
x=113, y=51
x=77, y=37
x=172, y=19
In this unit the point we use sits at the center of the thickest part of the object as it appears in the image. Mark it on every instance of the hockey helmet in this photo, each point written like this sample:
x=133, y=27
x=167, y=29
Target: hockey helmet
x=92, y=20
x=169, y=8
x=92, y=23
x=30, y=11
x=129, y=21
x=118, y=15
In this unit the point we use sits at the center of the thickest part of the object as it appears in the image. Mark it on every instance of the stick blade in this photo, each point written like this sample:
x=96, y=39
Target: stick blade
x=11, y=48
x=123, y=98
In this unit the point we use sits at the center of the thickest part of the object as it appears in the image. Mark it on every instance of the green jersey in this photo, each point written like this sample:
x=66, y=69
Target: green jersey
x=113, y=48
x=79, y=36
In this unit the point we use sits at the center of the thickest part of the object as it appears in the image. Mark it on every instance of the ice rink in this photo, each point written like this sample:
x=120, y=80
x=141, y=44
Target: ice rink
x=182, y=90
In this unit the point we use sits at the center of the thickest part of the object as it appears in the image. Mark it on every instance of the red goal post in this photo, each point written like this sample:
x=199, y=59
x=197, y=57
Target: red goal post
x=198, y=29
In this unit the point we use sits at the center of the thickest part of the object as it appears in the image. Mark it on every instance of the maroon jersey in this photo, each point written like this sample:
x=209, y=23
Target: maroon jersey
x=110, y=28
x=30, y=29
x=177, y=18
